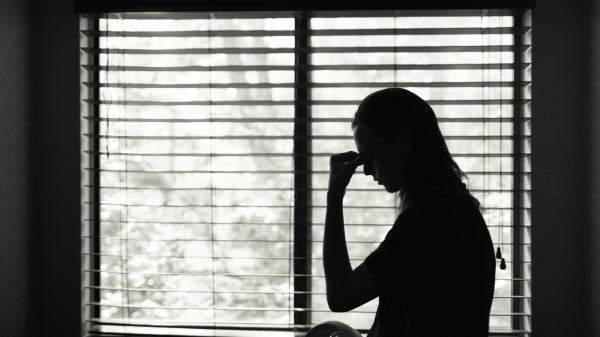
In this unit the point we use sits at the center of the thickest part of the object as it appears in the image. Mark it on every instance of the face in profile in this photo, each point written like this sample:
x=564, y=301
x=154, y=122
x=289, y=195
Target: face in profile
x=385, y=160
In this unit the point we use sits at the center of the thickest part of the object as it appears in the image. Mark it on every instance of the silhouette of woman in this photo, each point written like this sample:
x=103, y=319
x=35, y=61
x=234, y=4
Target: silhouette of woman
x=434, y=271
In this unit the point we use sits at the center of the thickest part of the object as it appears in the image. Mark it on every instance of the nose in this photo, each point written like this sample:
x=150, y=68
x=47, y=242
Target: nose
x=368, y=168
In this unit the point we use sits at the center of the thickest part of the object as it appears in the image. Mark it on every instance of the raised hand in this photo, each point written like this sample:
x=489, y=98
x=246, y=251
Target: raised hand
x=341, y=168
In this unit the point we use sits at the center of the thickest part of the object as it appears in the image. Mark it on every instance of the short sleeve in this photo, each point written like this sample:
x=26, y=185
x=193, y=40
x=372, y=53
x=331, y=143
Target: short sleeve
x=401, y=254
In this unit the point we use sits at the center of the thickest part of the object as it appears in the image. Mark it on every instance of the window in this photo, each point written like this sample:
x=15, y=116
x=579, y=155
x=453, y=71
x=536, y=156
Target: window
x=206, y=139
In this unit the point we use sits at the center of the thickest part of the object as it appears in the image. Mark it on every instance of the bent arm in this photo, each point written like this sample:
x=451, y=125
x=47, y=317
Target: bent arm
x=346, y=288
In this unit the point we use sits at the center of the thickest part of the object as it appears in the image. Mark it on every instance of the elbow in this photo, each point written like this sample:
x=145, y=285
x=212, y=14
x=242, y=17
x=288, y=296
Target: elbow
x=336, y=304
x=333, y=307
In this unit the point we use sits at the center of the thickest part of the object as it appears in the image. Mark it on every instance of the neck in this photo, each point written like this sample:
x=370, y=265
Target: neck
x=412, y=194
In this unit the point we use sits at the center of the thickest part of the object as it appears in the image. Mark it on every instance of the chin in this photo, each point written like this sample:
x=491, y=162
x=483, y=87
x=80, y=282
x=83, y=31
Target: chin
x=390, y=189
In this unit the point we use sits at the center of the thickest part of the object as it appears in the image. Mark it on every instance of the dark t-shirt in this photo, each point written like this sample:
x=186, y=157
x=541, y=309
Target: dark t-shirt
x=437, y=264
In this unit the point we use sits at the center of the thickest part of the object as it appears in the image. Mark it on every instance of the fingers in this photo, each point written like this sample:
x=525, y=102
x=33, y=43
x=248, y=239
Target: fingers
x=353, y=163
x=349, y=158
x=360, y=160
x=341, y=172
x=345, y=163
x=342, y=167
x=345, y=156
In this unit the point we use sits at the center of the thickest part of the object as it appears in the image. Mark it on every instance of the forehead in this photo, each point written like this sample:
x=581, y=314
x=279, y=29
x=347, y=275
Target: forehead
x=365, y=139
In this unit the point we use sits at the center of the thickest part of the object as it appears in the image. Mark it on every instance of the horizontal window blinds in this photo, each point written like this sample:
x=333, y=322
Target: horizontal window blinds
x=206, y=139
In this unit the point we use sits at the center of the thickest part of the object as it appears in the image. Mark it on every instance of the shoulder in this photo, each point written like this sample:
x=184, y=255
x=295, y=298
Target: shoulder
x=455, y=198
x=442, y=217
x=446, y=204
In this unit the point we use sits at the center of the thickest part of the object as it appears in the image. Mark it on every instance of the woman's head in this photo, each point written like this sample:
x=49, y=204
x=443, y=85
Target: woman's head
x=398, y=133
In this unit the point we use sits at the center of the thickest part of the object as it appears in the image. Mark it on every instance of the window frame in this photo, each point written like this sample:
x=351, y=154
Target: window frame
x=99, y=6
x=302, y=174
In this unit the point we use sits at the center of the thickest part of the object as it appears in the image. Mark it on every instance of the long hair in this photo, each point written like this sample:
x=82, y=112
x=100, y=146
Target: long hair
x=429, y=164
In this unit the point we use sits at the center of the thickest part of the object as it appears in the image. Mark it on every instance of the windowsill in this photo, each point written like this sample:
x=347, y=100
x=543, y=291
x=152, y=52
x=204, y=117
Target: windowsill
x=109, y=331
x=116, y=331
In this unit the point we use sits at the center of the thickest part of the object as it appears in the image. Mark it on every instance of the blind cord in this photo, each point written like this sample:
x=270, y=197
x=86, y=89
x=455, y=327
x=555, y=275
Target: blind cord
x=106, y=80
x=486, y=96
x=123, y=224
x=107, y=96
x=291, y=292
x=211, y=163
x=501, y=37
x=483, y=106
x=395, y=48
x=487, y=131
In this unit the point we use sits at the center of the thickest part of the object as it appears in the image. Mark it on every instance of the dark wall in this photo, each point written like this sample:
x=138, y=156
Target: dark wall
x=560, y=114
x=55, y=227
x=593, y=157
x=14, y=139
x=44, y=258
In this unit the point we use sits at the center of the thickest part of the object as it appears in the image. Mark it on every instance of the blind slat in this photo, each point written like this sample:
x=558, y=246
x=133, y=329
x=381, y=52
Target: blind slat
x=288, y=207
x=283, y=276
x=333, y=67
x=150, y=171
x=200, y=223
x=274, y=154
x=285, y=120
x=134, y=239
x=256, y=309
x=506, y=84
x=291, y=103
x=241, y=292
x=311, y=50
x=227, y=188
x=320, y=32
